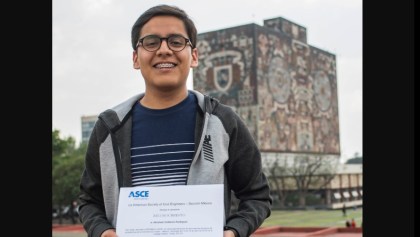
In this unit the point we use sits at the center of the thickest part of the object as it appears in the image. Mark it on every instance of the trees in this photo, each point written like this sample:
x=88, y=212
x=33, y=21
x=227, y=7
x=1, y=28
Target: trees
x=357, y=159
x=312, y=173
x=61, y=148
x=67, y=167
x=303, y=173
x=279, y=177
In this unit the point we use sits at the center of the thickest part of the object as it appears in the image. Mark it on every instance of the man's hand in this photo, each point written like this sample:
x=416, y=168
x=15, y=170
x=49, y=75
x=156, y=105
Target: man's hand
x=228, y=233
x=109, y=233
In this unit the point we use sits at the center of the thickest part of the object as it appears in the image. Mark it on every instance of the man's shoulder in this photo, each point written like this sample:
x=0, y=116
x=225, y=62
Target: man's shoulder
x=124, y=107
x=116, y=115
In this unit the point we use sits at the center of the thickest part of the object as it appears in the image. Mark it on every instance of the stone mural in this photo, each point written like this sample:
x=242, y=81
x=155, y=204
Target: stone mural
x=284, y=89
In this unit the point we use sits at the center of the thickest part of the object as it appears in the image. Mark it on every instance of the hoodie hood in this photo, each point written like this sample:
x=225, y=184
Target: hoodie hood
x=116, y=116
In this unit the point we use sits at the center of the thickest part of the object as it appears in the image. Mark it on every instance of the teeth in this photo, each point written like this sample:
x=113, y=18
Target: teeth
x=165, y=65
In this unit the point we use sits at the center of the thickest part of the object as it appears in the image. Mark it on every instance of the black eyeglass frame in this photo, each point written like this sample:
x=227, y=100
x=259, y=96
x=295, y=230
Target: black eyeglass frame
x=140, y=42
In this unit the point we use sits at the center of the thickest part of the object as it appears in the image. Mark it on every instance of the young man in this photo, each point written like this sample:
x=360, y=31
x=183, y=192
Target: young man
x=170, y=135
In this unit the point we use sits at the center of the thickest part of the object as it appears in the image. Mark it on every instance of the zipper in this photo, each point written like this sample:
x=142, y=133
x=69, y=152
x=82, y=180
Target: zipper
x=200, y=144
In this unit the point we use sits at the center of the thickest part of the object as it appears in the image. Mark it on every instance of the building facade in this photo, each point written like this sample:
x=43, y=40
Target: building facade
x=87, y=122
x=284, y=89
x=346, y=187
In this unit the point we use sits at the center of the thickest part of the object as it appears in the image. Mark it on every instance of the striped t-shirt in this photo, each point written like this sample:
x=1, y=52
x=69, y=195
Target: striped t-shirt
x=162, y=143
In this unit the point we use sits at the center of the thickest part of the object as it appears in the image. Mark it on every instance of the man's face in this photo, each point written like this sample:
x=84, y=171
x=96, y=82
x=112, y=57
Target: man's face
x=164, y=69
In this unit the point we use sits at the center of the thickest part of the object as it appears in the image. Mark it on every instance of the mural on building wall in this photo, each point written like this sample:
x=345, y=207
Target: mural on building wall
x=225, y=71
x=287, y=27
x=297, y=94
x=284, y=89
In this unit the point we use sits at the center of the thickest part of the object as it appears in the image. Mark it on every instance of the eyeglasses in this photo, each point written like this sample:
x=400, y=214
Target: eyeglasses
x=152, y=43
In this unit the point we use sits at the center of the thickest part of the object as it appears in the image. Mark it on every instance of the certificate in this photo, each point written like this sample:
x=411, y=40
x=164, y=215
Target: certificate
x=173, y=211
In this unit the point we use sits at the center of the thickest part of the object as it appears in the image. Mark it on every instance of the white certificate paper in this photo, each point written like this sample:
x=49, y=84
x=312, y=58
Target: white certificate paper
x=173, y=211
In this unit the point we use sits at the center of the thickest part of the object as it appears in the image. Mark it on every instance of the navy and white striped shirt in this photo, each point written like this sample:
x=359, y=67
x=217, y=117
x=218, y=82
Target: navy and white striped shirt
x=162, y=143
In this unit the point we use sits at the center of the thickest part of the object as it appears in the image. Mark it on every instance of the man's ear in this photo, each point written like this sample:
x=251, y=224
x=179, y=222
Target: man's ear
x=194, y=59
x=136, y=63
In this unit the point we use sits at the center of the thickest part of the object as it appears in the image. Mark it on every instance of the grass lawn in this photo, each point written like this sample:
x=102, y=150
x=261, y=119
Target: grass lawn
x=313, y=218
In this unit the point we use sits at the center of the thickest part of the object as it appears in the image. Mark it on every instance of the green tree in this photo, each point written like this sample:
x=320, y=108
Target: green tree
x=357, y=159
x=61, y=148
x=68, y=162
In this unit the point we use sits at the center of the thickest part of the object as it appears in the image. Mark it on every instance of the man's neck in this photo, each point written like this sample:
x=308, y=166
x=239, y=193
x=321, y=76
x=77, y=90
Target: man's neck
x=163, y=100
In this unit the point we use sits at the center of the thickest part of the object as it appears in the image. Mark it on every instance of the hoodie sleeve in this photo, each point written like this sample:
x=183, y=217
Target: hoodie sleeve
x=92, y=209
x=245, y=177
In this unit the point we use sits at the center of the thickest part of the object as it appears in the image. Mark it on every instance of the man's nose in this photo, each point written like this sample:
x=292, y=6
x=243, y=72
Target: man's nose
x=164, y=47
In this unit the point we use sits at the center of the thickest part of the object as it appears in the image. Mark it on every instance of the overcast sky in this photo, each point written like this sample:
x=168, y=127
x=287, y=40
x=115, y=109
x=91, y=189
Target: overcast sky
x=92, y=54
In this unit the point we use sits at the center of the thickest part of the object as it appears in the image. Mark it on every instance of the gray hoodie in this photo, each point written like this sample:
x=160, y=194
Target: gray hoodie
x=236, y=164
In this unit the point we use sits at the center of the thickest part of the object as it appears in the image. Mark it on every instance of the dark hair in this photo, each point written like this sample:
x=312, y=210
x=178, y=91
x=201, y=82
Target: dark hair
x=163, y=10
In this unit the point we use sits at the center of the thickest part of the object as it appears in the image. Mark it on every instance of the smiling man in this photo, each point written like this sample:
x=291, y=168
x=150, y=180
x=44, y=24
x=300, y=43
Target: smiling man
x=169, y=135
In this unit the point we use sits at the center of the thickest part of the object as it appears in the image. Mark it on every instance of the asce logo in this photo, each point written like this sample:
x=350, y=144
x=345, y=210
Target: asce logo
x=137, y=194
